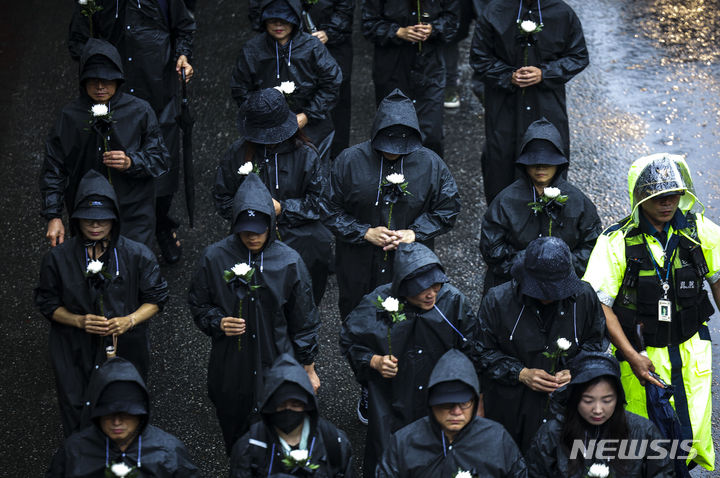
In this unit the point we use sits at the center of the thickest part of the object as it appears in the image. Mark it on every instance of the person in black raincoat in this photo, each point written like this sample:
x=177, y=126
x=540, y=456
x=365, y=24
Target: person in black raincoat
x=524, y=75
x=544, y=309
x=408, y=55
x=117, y=432
x=290, y=424
x=154, y=38
x=272, y=146
x=284, y=54
x=333, y=21
x=394, y=359
x=252, y=295
x=510, y=223
x=451, y=438
x=369, y=215
x=592, y=409
x=94, y=286
x=126, y=146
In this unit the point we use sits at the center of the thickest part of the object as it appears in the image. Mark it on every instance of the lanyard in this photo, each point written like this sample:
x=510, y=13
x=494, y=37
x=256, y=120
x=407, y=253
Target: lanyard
x=668, y=262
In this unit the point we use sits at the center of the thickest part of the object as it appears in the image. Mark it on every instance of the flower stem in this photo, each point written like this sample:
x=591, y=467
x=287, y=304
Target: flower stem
x=419, y=22
x=388, y=226
x=389, y=340
x=525, y=58
x=550, y=228
x=240, y=316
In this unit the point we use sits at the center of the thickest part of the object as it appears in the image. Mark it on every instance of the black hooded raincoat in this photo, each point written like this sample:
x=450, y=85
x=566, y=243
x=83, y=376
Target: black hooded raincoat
x=498, y=49
x=356, y=204
x=75, y=145
x=280, y=314
x=304, y=60
x=482, y=447
x=335, y=18
x=417, y=70
x=150, y=36
x=417, y=342
x=258, y=453
x=134, y=279
x=154, y=453
x=292, y=174
x=515, y=330
x=509, y=224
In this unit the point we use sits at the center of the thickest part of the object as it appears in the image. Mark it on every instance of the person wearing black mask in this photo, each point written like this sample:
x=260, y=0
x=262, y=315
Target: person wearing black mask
x=291, y=439
x=97, y=289
x=117, y=438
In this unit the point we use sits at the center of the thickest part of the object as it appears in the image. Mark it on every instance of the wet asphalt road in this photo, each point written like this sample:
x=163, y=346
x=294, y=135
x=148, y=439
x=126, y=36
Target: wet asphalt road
x=652, y=86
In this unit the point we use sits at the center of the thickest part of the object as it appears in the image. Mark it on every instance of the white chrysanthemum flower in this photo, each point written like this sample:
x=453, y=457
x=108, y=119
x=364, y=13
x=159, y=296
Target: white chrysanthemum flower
x=94, y=267
x=82, y=2
x=299, y=455
x=241, y=269
x=563, y=343
x=120, y=469
x=552, y=193
x=463, y=474
x=528, y=26
x=395, y=178
x=598, y=470
x=245, y=169
x=99, y=110
x=286, y=87
x=391, y=304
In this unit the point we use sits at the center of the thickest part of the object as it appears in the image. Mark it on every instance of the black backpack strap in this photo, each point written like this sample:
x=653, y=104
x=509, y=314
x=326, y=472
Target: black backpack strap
x=259, y=448
x=332, y=441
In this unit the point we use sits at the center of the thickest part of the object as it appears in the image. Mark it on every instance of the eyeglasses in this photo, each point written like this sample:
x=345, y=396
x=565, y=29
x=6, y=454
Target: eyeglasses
x=451, y=406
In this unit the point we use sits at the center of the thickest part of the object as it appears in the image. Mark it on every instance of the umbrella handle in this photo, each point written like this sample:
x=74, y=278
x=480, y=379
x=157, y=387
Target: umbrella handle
x=184, y=85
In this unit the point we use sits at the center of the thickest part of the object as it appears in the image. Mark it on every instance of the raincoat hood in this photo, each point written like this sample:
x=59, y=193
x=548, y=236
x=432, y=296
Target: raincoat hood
x=95, y=184
x=114, y=370
x=657, y=174
x=543, y=129
x=105, y=49
x=286, y=369
x=408, y=259
x=252, y=194
x=455, y=366
x=294, y=5
x=395, y=109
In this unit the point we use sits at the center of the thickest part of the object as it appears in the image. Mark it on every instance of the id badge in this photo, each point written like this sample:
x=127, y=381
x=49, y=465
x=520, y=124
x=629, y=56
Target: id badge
x=664, y=310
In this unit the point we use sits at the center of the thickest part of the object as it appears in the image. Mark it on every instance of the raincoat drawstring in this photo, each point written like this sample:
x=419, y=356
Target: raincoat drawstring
x=272, y=459
x=277, y=58
x=442, y=435
x=377, y=199
x=139, y=458
x=448, y=322
x=139, y=463
x=575, y=323
x=262, y=259
x=517, y=322
x=276, y=173
x=117, y=7
x=520, y=12
x=117, y=263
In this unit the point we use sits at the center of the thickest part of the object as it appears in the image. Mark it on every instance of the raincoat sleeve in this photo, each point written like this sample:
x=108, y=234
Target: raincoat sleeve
x=308, y=208
x=302, y=316
x=153, y=159
x=339, y=26
x=153, y=287
x=57, y=464
x=78, y=34
x=495, y=248
x=46, y=294
x=254, y=15
x=241, y=80
x=443, y=211
x=54, y=175
x=227, y=181
x=389, y=465
x=346, y=227
x=541, y=458
x=483, y=59
x=328, y=80
x=593, y=334
x=182, y=28
x=241, y=458
x=358, y=353
x=570, y=62
x=445, y=26
x=589, y=228
x=375, y=27
x=709, y=235
x=182, y=465
x=606, y=266
x=206, y=314
x=497, y=365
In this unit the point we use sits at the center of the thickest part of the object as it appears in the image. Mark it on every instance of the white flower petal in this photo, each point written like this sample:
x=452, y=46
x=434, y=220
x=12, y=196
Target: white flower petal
x=395, y=178
x=552, y=193
x=299, y=455
x=241, y=269
x=82, y=2
x=599, y=470
x=94, y=267
x=245, y=169
x=563, y=343
x=120, y=469
x=99, y=110
x=287, y=87
x=463, y=474
x=528, y=26
x=391, y=304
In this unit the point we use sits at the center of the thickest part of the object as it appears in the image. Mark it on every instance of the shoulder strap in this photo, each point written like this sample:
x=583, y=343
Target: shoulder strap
x=332, y=441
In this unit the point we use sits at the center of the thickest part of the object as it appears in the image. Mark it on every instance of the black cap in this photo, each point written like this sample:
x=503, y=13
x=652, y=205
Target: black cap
x=450, y=392
x=423, y=278
x=587, y=366
x=287, y=391
x=121, y=397
x=541, y=151
x=265, y=117
x=397, y=139
x=545, y=271
x=251, y=221
x=100, y=66
x=95, y=207
x=282, y=10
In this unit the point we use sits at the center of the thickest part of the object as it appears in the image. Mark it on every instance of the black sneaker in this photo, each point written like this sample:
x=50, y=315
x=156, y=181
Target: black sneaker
x=362, y=407
x=452, y=98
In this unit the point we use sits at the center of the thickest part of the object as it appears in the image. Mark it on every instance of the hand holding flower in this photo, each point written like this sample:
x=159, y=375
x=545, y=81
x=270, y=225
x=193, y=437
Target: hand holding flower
x=232, y=326
x=386, y=365
x=538, y=380
x=117, y=160
x=380, y=236
x=94, y=324
x=563, y=377
x=403, y=235
x=120, y=325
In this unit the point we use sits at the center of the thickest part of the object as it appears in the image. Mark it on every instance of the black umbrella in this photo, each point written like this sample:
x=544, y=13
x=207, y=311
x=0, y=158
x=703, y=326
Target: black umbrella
x=186, y=120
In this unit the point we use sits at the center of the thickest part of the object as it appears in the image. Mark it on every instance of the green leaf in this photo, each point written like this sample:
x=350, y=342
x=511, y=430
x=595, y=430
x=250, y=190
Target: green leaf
x=228, y=275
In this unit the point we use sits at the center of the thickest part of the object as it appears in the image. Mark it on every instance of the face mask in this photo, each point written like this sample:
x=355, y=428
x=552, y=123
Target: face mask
x=286, y=420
